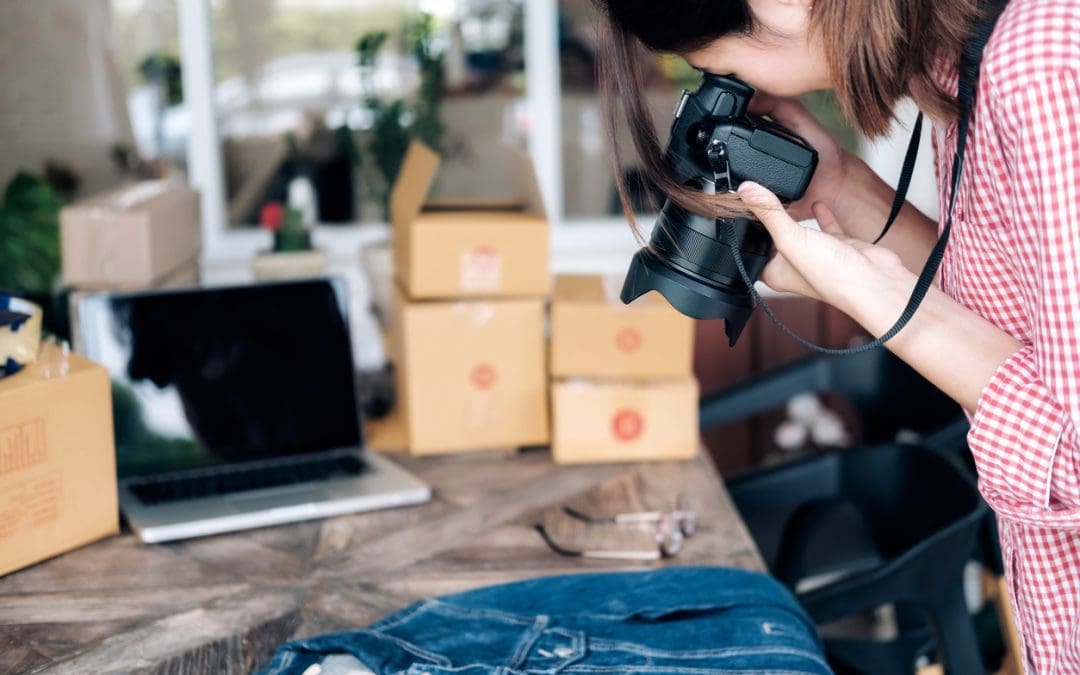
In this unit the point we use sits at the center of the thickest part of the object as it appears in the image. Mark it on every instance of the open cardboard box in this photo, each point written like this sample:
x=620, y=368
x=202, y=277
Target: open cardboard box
x=593, y=334
x=463, y=248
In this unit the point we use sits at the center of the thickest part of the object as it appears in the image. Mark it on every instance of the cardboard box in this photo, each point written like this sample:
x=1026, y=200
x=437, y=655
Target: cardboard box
x=624, y=422
x=130, y=238
x=463, y=248
x=471, y=374
x=57, y=461
x=185, y=276
x=593, y=334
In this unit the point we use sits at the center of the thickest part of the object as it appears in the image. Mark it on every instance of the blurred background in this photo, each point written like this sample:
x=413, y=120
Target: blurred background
x=241, y=97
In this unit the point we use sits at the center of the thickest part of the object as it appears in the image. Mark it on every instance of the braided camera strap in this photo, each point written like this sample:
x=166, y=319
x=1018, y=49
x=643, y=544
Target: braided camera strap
x=969, y=76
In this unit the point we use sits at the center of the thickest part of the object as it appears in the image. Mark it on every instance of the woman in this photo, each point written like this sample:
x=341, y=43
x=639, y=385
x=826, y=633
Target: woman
x=1001, y=332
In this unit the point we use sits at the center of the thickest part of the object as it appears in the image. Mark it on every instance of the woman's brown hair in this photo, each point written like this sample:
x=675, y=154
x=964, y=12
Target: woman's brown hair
x=878, y=51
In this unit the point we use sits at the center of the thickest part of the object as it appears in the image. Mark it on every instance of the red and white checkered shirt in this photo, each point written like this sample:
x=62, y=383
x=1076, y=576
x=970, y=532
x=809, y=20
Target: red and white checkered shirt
x=1014, y=258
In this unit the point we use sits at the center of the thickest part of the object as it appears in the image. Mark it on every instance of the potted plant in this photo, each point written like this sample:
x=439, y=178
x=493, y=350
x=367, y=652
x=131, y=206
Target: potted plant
x=292, y=255
x=30, y=247
x=395, y=123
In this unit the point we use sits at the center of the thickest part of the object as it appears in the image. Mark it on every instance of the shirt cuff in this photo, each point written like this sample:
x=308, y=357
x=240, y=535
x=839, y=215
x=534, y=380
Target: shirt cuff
x=1015, y=436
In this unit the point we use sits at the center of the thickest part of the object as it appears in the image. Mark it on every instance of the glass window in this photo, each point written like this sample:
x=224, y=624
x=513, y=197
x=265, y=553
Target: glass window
x=588, y=183
x=146, y=45
x=333, y=90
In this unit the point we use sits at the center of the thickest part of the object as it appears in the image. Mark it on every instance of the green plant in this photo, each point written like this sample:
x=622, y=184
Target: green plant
x=29, y=236
x=292, y=236
x=427, y=126
x=368, y=46
x=397, y=123
x=287, y=227
x=389, y=142
x=367, y=49
x=164, y=70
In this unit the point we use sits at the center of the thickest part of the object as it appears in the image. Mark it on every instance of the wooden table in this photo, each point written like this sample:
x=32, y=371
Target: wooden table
x=223, y=604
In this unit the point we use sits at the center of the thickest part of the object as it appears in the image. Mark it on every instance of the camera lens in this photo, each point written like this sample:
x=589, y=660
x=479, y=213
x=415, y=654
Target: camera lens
x=713, y=146
x=689, y=262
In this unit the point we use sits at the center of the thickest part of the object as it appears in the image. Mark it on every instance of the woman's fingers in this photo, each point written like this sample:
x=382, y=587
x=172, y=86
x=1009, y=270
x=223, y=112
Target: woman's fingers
x=827, y=219
x=767, y=208
x=780, y=276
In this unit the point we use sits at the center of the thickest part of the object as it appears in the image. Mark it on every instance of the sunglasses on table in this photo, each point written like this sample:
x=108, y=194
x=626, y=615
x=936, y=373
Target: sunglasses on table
x=671, y=529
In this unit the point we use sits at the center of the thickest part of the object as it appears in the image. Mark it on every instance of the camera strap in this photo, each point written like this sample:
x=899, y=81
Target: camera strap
x=970, y=60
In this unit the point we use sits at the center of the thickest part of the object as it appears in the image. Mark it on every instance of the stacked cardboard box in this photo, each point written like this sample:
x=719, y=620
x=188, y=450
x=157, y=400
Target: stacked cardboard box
x=622, y=387
x=467, y=328
x=140, y=236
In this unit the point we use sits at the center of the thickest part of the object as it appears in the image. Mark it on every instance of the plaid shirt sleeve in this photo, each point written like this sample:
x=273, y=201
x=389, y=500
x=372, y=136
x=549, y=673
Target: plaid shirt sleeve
x=1024, y=432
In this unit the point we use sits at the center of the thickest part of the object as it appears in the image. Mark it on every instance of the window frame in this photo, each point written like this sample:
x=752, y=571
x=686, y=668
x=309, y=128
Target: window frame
x=601, y=245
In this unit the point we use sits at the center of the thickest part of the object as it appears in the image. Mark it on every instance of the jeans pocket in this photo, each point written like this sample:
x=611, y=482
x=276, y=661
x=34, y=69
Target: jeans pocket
x=448, y=638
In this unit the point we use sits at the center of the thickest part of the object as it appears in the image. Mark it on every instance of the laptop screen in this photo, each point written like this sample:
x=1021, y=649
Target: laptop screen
x=216, y=376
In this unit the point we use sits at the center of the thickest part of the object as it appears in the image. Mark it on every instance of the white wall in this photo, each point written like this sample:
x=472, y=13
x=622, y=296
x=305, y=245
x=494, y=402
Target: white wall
x=886, y=157
x=61, y=97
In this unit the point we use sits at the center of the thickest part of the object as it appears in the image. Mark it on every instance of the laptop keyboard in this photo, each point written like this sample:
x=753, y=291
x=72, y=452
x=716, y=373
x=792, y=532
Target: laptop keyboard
x=243, y=479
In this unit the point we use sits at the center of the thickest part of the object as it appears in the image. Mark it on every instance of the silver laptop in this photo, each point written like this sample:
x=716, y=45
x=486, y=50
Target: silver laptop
x=236, y=408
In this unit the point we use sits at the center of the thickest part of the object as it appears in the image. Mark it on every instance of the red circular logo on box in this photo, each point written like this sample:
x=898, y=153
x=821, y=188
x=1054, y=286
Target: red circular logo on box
x=484, y=258
x=628, y=340
x=483, y=376
x=627, y=425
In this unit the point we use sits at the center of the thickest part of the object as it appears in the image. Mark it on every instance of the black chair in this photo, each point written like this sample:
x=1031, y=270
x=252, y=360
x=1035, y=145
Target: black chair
x=890, y=523
x=887, y=394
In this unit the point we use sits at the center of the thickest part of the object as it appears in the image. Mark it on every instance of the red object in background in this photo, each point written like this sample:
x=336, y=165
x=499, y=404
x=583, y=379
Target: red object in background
x=627, y=425
x=272, y=216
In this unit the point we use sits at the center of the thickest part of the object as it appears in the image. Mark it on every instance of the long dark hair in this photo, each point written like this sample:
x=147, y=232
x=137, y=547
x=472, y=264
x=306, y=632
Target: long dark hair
x=878, y=51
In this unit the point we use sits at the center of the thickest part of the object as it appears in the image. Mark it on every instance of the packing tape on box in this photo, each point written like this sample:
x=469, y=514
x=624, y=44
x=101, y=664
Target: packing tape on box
x=479, y=314
x=20, y=333
x=126, y=199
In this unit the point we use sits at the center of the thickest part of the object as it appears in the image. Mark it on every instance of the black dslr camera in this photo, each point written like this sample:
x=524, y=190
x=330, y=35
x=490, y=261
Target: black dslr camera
x=714, y=146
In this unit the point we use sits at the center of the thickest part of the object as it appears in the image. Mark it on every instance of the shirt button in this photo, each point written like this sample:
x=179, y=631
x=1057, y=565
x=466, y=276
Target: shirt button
x=564, y=652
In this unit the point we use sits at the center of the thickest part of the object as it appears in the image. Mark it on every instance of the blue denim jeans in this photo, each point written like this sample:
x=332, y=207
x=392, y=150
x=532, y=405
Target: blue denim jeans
x=683, y=620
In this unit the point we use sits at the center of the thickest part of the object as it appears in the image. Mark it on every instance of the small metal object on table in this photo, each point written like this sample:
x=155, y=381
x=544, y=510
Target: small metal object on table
x=223, y=604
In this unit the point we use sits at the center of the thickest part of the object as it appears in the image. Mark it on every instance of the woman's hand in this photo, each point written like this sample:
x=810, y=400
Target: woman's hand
x=869, y=283
x=857, y=199
x=949, y=344
x=835, y=164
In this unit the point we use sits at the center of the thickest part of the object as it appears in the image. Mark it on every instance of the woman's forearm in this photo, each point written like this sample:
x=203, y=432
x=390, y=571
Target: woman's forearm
x=950, y=345
x=863, y=207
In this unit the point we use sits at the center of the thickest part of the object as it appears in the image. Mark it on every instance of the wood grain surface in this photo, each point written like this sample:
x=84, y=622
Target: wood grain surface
x=223, y=604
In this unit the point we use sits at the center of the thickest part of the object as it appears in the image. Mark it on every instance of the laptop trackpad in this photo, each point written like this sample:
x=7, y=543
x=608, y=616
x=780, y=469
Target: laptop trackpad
x=277, y=501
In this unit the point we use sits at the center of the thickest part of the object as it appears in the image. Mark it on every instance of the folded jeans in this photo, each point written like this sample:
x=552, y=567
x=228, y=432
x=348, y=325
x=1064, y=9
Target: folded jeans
x=683, y=620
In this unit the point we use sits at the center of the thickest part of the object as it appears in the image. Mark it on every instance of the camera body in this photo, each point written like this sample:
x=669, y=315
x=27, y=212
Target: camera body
x=715, y=145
